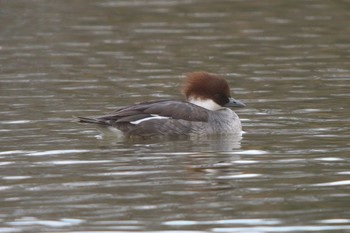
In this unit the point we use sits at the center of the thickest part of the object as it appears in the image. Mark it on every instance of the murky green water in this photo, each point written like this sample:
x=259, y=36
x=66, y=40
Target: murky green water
x=289, y=61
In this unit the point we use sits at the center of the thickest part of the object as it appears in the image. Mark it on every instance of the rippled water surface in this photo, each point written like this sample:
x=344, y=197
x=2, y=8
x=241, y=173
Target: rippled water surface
x=289, y=61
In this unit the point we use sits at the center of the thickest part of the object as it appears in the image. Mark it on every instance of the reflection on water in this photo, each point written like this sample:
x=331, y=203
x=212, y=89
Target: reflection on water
x=216, y=143
x=287, y=60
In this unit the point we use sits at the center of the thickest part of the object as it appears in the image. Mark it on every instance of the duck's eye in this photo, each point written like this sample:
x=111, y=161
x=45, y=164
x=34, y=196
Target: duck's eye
x=221, y=98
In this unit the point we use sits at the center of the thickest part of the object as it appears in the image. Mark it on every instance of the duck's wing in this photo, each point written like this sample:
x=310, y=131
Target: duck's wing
x=153, y=110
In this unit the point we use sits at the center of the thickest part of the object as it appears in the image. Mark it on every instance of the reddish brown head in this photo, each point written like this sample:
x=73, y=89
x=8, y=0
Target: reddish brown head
x=202, y=85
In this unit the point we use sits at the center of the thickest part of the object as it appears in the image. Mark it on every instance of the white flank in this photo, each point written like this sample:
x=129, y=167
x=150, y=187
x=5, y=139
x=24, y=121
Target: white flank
x=205, y=103
x=153, y=117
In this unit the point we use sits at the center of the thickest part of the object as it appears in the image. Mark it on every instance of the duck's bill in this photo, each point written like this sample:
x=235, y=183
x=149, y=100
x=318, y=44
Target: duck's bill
x=234, y=103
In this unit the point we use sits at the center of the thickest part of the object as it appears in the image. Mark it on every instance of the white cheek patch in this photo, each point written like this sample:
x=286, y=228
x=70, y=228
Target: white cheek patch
x=205, y=103
x=152, y=117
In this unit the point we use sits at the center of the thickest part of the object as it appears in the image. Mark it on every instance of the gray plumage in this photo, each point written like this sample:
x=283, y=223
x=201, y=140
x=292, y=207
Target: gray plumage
x=180, y=118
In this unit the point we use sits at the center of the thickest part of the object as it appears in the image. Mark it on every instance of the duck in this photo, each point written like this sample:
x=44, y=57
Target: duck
x=206, y=110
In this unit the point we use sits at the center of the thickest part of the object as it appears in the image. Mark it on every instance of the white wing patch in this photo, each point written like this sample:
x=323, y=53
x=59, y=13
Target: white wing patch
x=152, y=117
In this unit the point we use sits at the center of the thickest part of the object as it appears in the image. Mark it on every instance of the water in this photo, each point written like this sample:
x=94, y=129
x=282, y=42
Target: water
x=287, y=60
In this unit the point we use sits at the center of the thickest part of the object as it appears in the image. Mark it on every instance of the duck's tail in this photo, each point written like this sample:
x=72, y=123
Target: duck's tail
x=92, y=121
